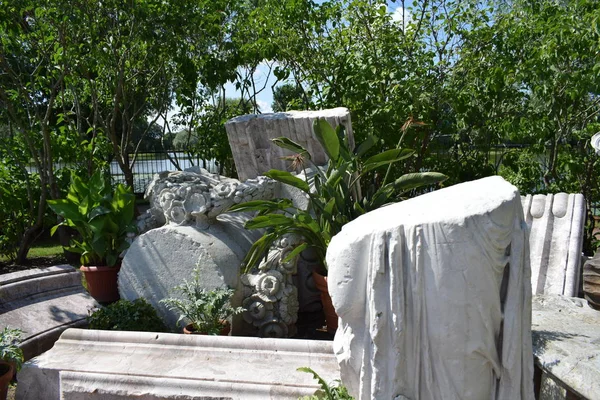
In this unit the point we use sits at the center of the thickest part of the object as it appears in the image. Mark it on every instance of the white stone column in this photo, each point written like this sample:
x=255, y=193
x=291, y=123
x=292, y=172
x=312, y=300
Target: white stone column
x=434, y=297
x=250, y=138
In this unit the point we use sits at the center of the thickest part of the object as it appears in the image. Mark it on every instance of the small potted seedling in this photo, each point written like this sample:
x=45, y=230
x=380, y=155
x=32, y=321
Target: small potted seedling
x=206, y=311
x=11, y=357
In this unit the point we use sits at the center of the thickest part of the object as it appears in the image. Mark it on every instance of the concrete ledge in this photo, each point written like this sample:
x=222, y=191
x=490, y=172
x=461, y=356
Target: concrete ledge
x=566, y=338
x=89, y=364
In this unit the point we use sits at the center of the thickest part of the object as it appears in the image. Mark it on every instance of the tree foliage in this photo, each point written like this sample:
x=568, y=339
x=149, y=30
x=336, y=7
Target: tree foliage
x=487, y=87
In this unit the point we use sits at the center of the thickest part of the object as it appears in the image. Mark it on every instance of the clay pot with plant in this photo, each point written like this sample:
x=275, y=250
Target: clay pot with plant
x=11, y=357
x=348, y=186
x=103, y=218
x=206, y=312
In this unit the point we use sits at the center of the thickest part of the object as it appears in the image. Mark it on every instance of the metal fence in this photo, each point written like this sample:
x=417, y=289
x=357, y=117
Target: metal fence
x=148, y=164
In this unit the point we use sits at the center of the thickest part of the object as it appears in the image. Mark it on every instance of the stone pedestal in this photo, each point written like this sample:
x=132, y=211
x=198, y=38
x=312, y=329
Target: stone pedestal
x=434, y=297
x=108, y=365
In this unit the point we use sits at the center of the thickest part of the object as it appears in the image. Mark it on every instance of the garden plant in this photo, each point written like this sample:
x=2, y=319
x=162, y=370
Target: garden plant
x=345, y=189
x=103, y=218
x=205, y=311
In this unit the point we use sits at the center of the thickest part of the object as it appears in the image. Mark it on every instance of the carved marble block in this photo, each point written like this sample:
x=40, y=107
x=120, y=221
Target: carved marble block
x=434, y=297
x=250, y=138
x=197, y=197
x=269, y=296
x=556, y=222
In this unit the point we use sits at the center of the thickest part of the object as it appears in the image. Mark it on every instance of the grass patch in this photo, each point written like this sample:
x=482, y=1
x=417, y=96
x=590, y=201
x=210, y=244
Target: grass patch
x=43, y=248
x=46, y=250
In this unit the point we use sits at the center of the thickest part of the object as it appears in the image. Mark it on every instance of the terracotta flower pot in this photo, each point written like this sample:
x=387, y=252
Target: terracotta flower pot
x=102, y=282
x=331, y=317
x=189, y=330
x=6, y=373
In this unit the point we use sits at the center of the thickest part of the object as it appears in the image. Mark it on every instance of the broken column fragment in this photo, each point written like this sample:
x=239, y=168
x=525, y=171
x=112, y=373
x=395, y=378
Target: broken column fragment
x=434, y=297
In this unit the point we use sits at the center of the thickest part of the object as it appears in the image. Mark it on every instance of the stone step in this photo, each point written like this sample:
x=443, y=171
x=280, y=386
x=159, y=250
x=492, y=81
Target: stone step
x=43, y=303
x=111, y=365
x=37, y=282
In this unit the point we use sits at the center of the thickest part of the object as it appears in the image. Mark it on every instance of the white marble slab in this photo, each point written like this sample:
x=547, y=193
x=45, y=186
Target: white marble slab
x=89, y=364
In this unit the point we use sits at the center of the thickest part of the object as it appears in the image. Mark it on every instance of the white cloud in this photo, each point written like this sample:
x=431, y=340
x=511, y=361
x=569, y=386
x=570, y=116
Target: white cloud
x=400, y=14
x=264, y=106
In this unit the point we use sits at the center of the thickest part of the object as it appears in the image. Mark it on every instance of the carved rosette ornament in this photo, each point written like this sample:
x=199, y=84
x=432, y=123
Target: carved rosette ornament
x=195, y=197
x=270, y=297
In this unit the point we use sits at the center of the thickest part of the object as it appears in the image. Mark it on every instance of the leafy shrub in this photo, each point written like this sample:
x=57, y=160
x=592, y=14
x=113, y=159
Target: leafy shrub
x=9, y=349
x=124, y=315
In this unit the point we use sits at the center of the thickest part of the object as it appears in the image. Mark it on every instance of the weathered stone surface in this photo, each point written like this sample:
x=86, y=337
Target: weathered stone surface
x=270, y=297
x=196, y=197
x=162, y=258
x=434, y=298
x=591, y=281
x=107, y=365
x=43, y=303
x=556, y=222
x=565, y=343
x=250, y=138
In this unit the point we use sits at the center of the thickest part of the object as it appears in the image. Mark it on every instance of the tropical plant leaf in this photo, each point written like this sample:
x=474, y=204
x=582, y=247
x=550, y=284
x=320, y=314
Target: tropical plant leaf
x=288, y=178
x=414, y=180
x=261, y=205
x=366, y=145
x=288, y=144
x=267, y=221
x=327, y=137
x=387, y=157
x=297, y=250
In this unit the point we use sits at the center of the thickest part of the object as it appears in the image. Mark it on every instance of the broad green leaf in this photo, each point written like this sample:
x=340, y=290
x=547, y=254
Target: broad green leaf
x=411, y=181
x=366, y=145
x=267, y=221
x=288, y=144
x=387, y=157
x=66, y=209
x=327, y=137
x=299, y=249
x=261, y=205
x=100, y=210
x=288, y=178
x=337, y=174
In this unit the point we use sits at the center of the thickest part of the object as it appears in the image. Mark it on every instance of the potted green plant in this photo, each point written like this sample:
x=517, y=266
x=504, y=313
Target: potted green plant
x=347, y=188
x=11, y=357
x=206, y=311
x=104, y=218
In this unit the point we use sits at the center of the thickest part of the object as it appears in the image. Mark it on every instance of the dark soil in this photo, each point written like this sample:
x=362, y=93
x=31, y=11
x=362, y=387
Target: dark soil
x=34, y=262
